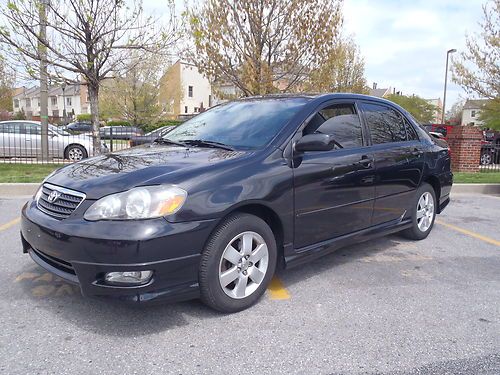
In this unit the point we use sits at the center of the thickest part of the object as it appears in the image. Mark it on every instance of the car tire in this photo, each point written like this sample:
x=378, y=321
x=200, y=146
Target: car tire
x=423, y=213
x=486, y=158
x=76, y=153
x=229, y=280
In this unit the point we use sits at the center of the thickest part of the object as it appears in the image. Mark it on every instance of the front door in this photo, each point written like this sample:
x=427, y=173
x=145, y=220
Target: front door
x=333, y=190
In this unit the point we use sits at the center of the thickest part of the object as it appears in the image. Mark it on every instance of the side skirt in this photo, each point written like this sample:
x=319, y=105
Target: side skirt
x=308, y=253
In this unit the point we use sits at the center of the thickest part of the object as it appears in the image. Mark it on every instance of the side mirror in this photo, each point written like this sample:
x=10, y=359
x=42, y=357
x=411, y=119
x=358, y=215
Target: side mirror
x=315, y=142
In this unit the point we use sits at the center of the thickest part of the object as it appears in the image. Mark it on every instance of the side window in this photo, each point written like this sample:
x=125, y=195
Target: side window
x=341, y=122
x=386, y=125
x=15, y=128
x=32, y=129
x=410, y=131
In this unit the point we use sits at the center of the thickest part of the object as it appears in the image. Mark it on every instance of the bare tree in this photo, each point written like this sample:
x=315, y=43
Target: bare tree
x=87, y=40
x=262, y=46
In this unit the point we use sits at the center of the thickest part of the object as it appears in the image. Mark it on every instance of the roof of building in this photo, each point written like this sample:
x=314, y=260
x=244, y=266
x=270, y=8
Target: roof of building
x=34, y=92
x=378, y=92
x=475, y=103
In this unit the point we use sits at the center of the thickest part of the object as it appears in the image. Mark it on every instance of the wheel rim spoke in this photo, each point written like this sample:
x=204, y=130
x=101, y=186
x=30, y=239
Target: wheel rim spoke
x=232, y=255
x=241, y=286
x=259, y=253
x=227, y=277
x=420, y=213
x=246, y=244
x=256, y=275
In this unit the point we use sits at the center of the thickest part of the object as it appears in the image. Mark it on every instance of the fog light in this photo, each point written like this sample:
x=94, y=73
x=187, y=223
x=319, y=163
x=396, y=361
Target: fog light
x=129, y=277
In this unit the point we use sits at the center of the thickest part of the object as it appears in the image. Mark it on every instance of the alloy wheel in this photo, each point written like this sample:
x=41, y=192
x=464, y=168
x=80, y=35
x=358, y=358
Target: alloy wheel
x=425, y=211
x=243, y=265
x=75, y=154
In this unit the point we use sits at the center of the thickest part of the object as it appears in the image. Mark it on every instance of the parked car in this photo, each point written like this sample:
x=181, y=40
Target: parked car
x=119, y=132
x=490, y=153
x=22, y=138
x=79, y=127
x=212, y=208
x=151, y=136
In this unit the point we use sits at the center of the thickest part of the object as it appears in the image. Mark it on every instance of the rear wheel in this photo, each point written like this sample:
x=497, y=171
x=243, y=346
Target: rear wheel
x=237, y=263
x=486, y=158
x=423, y=213
x=76, y=153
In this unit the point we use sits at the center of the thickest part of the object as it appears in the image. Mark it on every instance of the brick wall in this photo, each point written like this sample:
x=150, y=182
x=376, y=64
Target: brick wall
x=465, y=145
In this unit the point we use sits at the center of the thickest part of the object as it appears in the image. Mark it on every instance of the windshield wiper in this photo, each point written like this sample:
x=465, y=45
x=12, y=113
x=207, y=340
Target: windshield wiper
x=169, y=141
x=206, y=143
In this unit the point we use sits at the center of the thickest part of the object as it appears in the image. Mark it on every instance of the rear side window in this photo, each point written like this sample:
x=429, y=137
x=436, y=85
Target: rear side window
x=32, y=129
x=410, y=131
x=341, y=122
x=386, y=124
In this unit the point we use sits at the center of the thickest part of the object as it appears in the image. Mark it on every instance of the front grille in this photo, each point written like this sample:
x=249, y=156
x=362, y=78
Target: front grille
x=56, y=262
x=65, y=203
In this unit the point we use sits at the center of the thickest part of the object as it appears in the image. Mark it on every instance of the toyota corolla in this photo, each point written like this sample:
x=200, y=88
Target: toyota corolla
x=215, y=206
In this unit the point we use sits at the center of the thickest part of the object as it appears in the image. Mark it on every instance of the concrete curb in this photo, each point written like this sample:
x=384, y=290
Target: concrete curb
x=493, y=189
x=13, y=190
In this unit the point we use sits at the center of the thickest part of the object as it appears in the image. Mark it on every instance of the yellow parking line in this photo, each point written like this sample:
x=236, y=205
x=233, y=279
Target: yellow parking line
x=277, y=290
x=9, y=224
x=469, y=233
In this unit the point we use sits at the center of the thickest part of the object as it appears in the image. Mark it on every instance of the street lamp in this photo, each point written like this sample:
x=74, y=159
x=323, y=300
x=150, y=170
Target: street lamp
x=446, y=82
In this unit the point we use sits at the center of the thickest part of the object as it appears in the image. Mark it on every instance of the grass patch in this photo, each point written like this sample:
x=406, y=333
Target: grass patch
x=476, y=178
x=25, y=172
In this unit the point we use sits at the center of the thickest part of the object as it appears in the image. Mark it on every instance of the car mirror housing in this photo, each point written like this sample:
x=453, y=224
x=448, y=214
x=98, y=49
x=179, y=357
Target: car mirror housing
x=315, y=142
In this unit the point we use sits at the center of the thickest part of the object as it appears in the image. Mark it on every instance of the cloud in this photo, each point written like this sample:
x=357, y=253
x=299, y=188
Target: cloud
x=404, y=43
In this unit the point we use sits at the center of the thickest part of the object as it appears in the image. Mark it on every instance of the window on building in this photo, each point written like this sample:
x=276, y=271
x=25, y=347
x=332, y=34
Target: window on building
x=196, y=110
x=473, y=114
x=190, y=91
x=186, y=109
x=340, y=121
x=38, y=102
x=68, y=101
x=386, y=125
x=53, y=100
x=55, y=113
x=28, y=103
x=16, y=103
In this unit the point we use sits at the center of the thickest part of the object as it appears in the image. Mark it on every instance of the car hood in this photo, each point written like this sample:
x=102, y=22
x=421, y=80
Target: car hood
x=152, y=164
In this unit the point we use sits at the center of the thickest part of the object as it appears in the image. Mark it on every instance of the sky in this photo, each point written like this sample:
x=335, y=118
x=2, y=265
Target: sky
x=404, y=43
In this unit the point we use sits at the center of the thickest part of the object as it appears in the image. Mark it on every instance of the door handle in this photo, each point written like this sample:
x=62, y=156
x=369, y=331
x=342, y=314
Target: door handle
x=27, y=139
x=416, y=152
x=365, y=162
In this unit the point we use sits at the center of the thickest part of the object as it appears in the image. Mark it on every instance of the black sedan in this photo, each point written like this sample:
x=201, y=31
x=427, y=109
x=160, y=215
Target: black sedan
x=213, y=208
x=150, y=137
x=119, y=132
x=79, y=127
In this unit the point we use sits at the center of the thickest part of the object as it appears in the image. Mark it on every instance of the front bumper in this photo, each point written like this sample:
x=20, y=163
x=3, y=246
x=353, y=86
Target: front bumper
x=82, y=252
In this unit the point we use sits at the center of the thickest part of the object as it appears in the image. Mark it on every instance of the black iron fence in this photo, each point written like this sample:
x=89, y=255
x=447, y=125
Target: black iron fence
x=490, y=157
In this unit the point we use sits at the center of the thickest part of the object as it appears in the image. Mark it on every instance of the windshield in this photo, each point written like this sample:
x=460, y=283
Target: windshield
x=246, y=124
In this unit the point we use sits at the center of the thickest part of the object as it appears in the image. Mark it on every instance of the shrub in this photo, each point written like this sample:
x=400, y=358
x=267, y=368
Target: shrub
x=84, y=117
x=159, y=124
x=118, y=123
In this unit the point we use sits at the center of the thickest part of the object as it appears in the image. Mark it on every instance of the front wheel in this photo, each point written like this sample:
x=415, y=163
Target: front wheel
x=423, y=213
x=237, y=263
x=76, y=153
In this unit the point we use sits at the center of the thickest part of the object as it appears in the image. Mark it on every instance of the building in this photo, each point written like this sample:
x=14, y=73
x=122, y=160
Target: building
x=72, y=99
x=438, y=113
x=184, y=91
x=470, y=111
x=381, y=93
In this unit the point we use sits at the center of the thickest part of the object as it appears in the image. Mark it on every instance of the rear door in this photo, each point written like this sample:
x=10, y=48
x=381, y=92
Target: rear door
x=333, y=190
x=399, y=160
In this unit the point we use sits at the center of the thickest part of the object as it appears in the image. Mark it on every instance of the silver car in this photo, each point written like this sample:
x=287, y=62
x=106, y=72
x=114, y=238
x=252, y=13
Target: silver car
x=22, y=138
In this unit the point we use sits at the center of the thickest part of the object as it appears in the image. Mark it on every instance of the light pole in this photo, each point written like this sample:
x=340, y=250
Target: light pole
x=446, y=82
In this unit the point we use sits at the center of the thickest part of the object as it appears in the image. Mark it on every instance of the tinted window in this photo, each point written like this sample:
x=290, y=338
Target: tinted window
x=340, y=121
x=386, y=125
x=410, y=131
x=240, y=124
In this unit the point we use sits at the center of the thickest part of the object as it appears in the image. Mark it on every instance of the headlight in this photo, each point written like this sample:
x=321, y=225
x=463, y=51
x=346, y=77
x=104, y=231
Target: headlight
x=138, y=203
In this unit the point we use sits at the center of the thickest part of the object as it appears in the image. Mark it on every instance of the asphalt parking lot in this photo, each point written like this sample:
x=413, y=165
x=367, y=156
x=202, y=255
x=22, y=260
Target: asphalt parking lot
x=389, y=306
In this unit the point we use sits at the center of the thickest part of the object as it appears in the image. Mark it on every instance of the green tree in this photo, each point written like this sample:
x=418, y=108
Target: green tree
x=262, y=46
x=7, y=78
x=419, y=108
x=134, y=94
x=490, y=114
x=342, y=71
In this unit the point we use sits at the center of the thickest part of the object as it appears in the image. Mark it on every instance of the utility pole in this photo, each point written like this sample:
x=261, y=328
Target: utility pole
x=445, y=83
x=44, y=100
